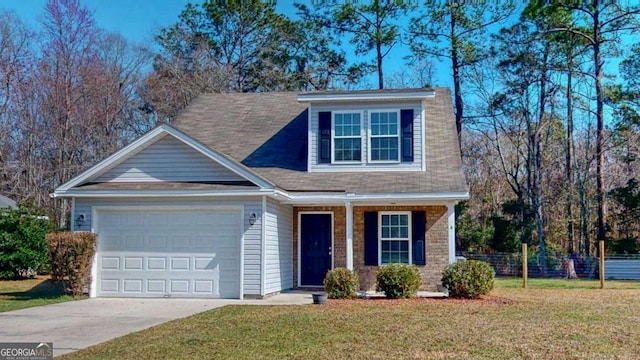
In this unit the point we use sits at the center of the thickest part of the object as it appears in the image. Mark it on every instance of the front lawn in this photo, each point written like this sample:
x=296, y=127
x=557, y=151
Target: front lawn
x=20, y=294
x=513, y=323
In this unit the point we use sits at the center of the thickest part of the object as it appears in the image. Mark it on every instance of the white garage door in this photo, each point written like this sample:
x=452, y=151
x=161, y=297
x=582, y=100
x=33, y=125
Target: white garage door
x=160, y=253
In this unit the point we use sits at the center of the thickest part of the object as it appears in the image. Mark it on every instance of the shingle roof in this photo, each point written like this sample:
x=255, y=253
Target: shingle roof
x=267, y=132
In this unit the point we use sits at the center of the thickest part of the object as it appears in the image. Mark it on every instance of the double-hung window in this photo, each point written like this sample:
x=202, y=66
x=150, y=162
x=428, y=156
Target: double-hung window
x=395, y=237
x=347, y=137
x=384, y=142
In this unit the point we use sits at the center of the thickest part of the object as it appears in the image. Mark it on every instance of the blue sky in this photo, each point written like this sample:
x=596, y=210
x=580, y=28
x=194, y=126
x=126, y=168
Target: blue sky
x=139, y=20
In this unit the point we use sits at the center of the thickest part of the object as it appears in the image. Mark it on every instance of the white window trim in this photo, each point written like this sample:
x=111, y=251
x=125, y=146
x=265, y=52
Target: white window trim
x=333, y=137
x=370, y=136
x=410, y=239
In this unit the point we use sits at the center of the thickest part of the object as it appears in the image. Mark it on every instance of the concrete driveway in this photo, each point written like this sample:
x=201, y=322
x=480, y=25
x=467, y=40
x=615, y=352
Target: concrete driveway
x=75, y=325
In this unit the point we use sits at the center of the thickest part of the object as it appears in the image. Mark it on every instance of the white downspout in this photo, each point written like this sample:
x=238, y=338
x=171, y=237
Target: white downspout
x=451, y=221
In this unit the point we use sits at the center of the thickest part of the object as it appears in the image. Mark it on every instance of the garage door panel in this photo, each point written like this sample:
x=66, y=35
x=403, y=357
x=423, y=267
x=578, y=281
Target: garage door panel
x=155, y=286
x=110, y=285
x=189, y=253
x=203, y=263
x=179, y=286
x=179, y=263
x=133, y=263
x=109, y=263
x=132, y=285
x=156, y=263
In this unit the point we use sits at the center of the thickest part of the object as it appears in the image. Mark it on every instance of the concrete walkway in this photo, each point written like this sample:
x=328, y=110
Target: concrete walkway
x=75, y=325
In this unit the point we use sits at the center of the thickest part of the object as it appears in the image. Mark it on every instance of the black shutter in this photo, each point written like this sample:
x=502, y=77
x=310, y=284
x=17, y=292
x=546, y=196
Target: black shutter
x=417, y=236
x=324, y=146
x=371, y=238
x=406, y=123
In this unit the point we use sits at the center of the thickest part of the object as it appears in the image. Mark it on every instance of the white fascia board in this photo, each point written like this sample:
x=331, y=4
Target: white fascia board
x=332, y=198
x=367, y=96
x=159, y=193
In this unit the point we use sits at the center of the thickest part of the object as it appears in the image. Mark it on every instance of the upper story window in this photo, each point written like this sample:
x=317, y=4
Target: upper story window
x=388, y=134
x=347, y=137
x=384, y=142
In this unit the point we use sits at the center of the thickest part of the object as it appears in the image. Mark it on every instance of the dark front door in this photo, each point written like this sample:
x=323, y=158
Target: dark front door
x=315, y=248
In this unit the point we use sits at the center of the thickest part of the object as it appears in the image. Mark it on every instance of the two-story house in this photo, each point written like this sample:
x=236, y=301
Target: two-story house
x=246, y=195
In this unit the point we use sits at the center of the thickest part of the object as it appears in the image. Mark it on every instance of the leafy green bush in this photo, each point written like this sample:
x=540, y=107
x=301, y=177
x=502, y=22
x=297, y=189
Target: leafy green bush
x=23, y=251
x=341, y=283
x=71, y=255
x=468, y=279
x=398, y=281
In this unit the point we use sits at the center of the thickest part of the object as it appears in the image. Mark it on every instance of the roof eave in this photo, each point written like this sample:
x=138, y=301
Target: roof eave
x=156, y=193
x=326, y=97
x=331, y=198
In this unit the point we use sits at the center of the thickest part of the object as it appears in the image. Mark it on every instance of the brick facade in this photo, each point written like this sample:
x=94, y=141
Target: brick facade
x=437, y=242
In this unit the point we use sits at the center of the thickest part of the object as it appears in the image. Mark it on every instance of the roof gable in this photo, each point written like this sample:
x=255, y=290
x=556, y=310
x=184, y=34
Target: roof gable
x=124, y=164
x=169, y=159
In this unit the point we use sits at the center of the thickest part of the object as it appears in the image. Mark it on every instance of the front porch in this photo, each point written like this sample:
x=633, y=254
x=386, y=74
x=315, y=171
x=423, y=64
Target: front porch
x=428, y=241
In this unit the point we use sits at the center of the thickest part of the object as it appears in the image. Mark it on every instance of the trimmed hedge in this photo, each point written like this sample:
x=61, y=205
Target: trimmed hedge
x=398, y=281
x=468, y=279
x=71, y=255
x=341, y=283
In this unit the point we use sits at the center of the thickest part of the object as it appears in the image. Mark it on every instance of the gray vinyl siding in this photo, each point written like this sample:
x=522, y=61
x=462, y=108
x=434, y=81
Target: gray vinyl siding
x=252, y=233
x=365, y=107
x=279, y=247
x=168, y=159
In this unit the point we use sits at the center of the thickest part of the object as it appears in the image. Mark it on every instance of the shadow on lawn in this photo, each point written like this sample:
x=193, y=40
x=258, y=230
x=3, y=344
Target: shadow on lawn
x=47, y=289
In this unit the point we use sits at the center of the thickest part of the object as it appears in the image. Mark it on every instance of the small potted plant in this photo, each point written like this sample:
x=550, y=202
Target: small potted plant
x=319, y=298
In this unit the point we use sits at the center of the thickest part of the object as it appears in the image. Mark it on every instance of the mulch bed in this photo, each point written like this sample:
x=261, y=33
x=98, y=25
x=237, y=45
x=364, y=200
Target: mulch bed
x=484, y=300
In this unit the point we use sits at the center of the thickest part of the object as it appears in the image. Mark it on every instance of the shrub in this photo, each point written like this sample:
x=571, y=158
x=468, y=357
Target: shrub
x=341, y=283
x=71, y=255
x=23, y=251
x=398, y=281
x=468, y=279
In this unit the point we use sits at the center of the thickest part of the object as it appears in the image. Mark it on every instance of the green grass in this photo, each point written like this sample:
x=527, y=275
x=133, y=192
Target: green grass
x=25, y=293
x=555, y=322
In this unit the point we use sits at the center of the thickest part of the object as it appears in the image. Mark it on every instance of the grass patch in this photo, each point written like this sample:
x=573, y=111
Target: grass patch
x=538, y=283
x=25, y=293
x=567, y=323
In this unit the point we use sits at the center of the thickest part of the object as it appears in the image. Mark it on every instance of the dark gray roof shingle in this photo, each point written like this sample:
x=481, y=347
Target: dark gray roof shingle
x=267, y=132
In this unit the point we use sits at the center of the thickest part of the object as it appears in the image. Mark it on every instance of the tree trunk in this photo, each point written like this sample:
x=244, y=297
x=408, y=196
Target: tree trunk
x=379, y=62
x=569, y=158
x=570, y=268
x=600, y=195
x=455, y=67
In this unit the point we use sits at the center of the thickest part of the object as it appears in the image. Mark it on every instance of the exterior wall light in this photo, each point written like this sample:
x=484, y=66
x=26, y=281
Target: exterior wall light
x=80, y=220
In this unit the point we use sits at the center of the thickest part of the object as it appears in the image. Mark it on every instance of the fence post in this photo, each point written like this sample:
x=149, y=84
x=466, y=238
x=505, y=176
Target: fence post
x=525, y=264
x=601, y=264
